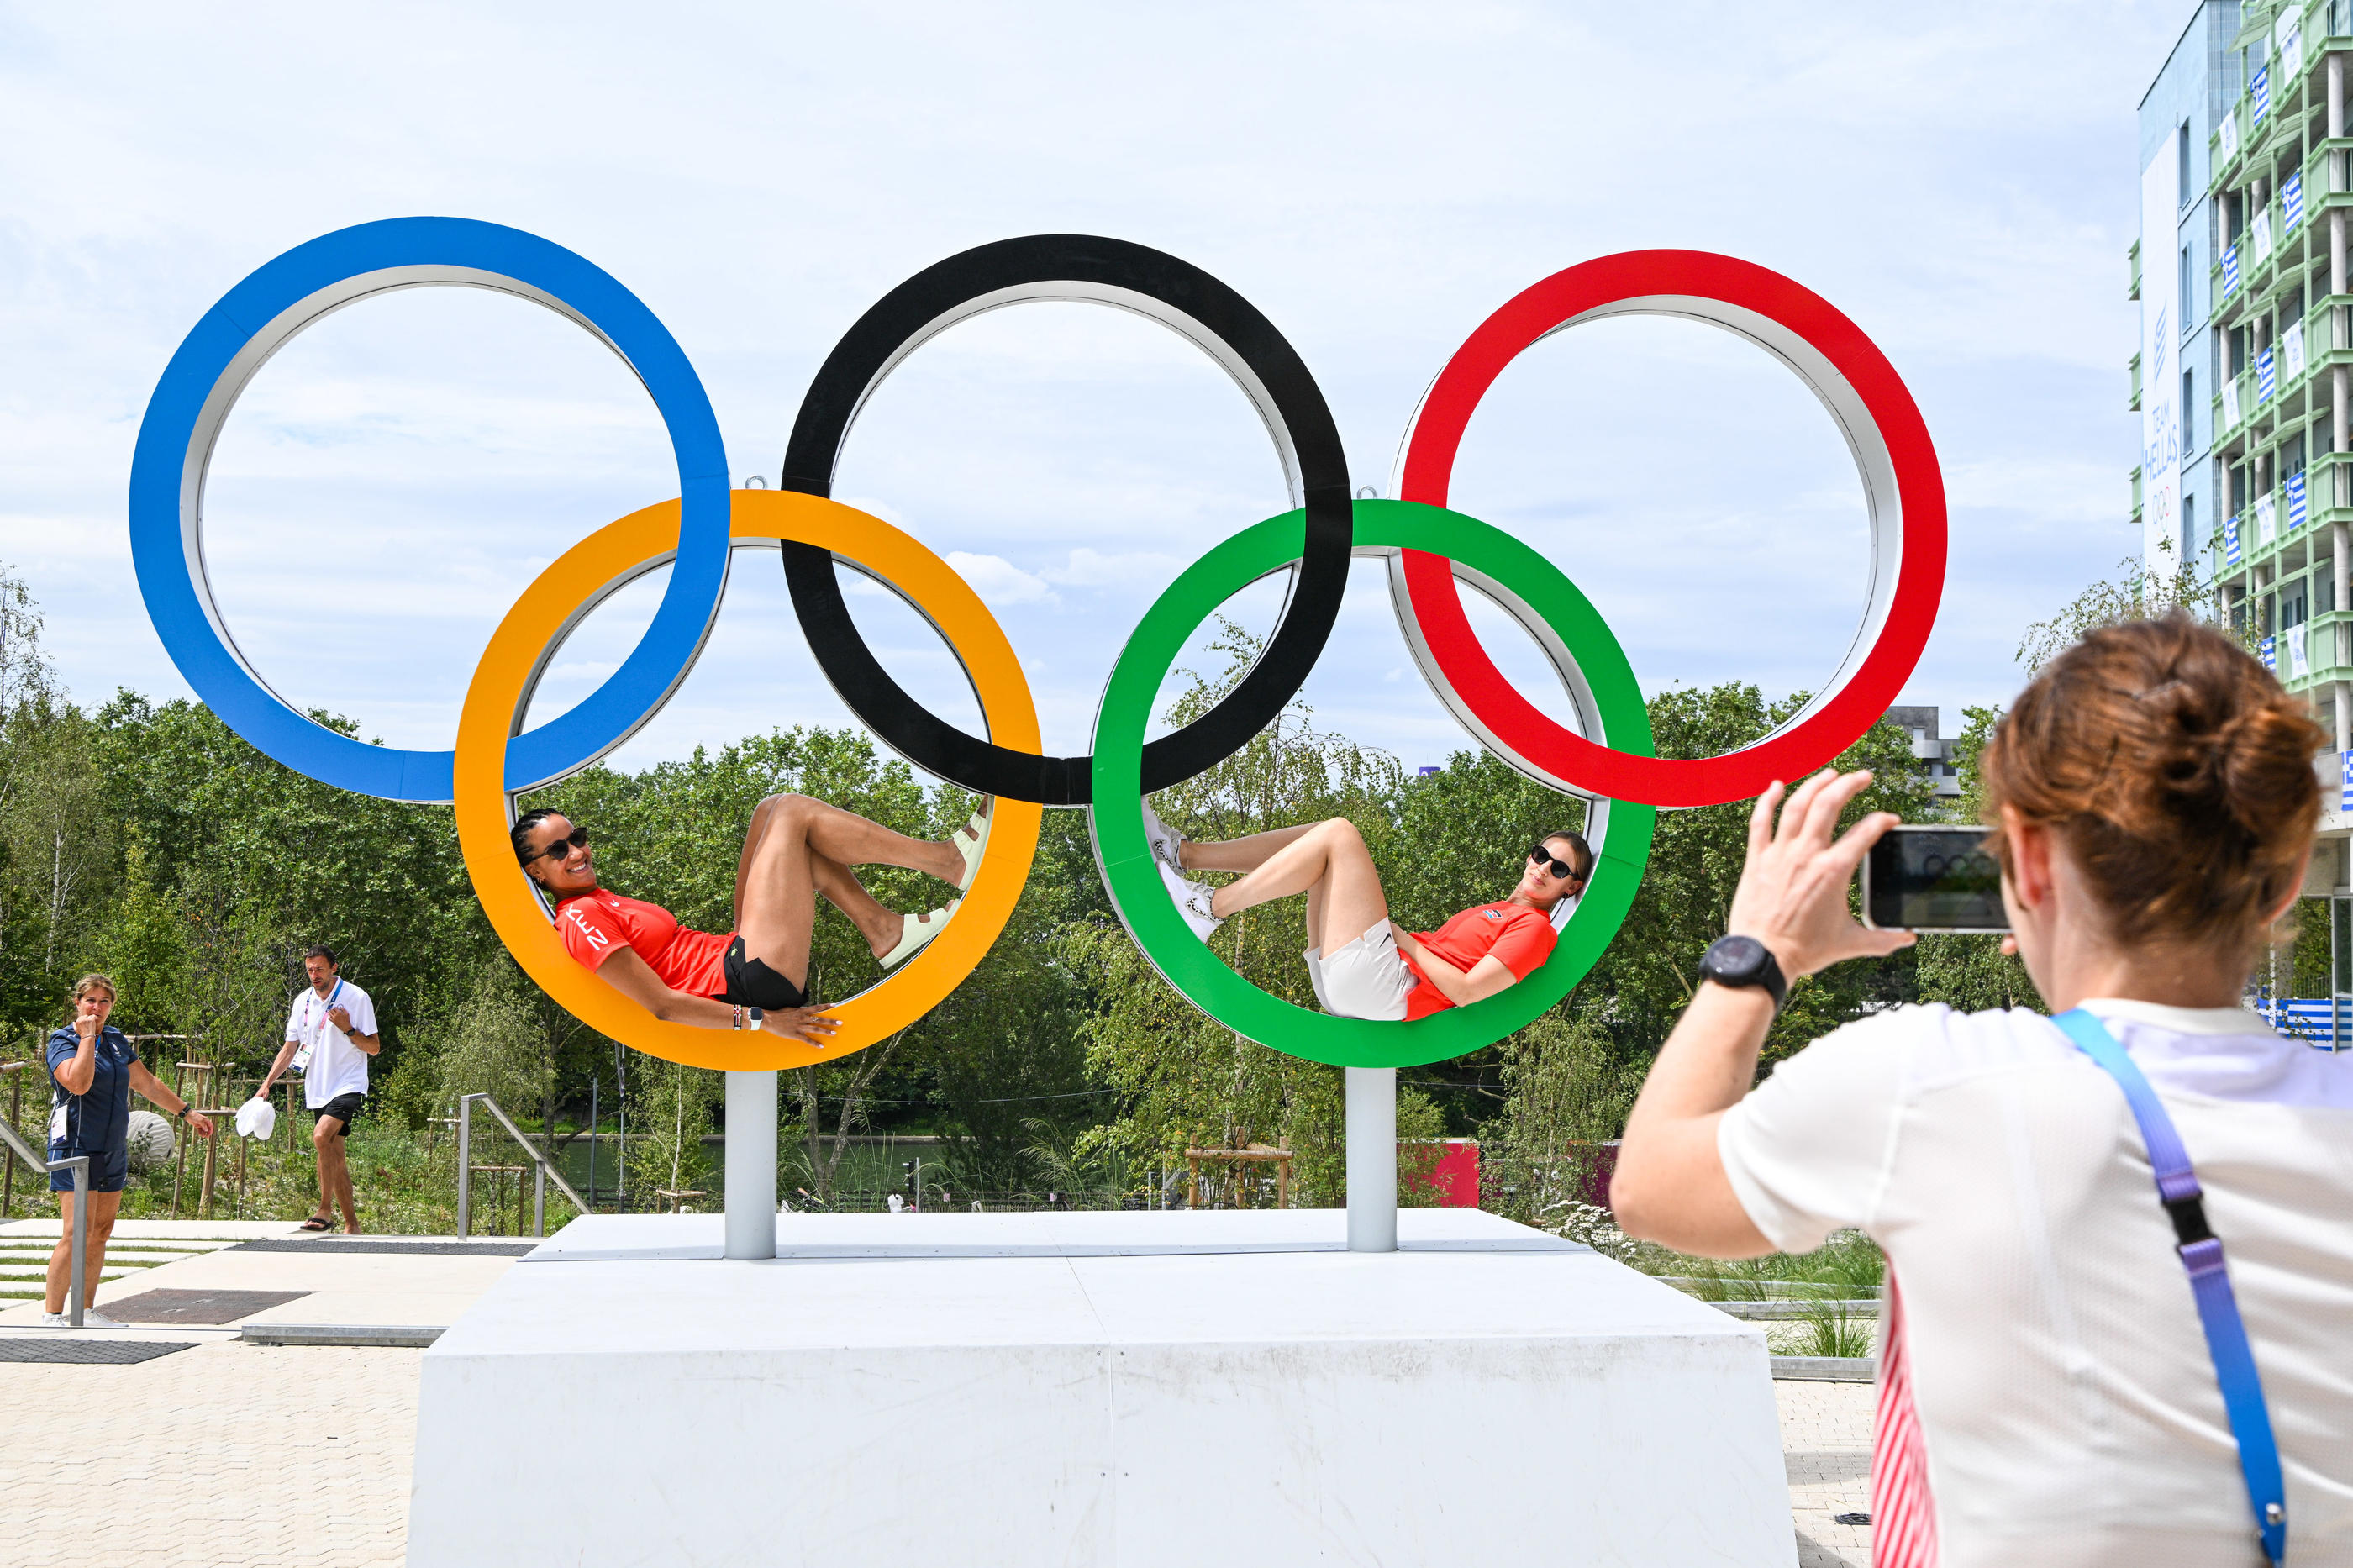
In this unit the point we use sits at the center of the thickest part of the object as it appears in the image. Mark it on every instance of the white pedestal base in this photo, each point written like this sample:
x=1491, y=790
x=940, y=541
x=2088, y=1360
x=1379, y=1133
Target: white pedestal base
x=1125, y=1389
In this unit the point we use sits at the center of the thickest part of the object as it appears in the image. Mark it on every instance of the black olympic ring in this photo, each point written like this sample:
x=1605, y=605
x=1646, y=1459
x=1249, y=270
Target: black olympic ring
x=1177, y=294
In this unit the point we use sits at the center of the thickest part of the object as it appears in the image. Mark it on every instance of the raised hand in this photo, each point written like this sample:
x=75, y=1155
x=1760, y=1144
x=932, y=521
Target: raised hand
x=1792, y=893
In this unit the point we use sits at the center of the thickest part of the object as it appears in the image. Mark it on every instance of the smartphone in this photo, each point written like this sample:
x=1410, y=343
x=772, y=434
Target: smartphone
x=1933, y=879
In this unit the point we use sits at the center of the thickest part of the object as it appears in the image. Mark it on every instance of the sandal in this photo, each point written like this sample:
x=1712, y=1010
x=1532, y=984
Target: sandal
x=918, y=932
x=971, y=848
x=319, y=1222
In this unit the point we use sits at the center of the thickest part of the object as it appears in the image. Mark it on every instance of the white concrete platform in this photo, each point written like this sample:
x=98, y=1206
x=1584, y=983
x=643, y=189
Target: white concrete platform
x=1097, y=1389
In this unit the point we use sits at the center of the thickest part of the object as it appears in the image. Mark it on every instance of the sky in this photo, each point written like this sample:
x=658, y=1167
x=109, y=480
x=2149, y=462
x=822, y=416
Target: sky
x=1961, y=182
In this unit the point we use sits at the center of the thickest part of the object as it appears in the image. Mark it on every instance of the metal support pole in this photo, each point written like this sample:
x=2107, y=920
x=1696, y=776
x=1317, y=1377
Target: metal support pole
x=465, y=1162
x=1372, y=1159
x=592, y=1141
x=751, y=1164
x=539, y=1199
x=74, y=1291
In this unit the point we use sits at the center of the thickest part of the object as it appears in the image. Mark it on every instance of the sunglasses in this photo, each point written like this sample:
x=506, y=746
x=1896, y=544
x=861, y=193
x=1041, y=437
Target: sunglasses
x=1540, y=855
x=562, y=849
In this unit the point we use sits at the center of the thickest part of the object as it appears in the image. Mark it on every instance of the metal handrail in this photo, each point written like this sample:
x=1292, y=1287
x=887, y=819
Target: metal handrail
x=546, y=1167
x=80, y=1166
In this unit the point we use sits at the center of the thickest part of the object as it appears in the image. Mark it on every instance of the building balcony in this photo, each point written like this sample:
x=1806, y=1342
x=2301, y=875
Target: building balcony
x=2242, y=138
x=2132, y=265
x=2133, y=367
x=2247, y=409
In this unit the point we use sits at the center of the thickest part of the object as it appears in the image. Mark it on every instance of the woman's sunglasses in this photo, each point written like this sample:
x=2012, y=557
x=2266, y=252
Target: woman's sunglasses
x=562, y=849
x=1540, y=855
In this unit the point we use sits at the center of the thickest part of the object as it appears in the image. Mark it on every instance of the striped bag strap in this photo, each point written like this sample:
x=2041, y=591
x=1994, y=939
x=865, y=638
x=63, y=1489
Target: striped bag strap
x=1903, y=1514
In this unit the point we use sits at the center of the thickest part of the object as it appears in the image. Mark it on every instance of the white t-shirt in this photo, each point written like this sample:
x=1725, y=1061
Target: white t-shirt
x=337, y=1066
x=2065, y=1389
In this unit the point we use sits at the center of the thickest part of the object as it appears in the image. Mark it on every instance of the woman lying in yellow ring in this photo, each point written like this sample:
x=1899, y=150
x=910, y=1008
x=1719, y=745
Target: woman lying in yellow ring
x=756, y=975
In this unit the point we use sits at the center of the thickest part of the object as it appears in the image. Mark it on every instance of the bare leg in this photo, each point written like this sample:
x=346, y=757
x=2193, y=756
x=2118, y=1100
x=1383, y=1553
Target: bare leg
x=103, y=1206
x=1235, y=854
x=1329, y=863
x=880, y=927
x=335, y=1173
x=776, y=882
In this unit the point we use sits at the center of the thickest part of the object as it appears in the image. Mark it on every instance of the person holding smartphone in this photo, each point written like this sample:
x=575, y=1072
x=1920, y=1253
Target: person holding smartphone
x=93, y=1069
x=331, y=1033
x=2118, y=1318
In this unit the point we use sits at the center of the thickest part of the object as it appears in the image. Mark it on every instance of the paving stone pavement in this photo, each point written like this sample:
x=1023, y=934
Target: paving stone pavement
x=1826, y=1443
x=220, y=1457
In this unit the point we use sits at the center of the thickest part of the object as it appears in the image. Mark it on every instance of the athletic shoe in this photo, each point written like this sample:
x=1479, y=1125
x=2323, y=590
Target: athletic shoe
x=1192, y=900
x=90, y=1319
x=1162, y=839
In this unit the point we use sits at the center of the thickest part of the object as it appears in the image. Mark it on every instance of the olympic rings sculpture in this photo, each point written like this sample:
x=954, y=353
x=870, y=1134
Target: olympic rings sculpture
x=1606, y=756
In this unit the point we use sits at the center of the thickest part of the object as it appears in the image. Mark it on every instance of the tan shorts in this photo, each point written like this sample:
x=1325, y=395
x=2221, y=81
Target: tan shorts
x=1364, y=979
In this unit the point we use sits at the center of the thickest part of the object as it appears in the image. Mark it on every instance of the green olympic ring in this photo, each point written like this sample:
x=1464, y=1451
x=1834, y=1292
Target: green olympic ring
x=1620, y=831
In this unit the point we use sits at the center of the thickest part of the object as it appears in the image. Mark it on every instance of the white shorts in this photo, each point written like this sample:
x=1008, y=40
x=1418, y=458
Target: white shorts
x=1364, y=979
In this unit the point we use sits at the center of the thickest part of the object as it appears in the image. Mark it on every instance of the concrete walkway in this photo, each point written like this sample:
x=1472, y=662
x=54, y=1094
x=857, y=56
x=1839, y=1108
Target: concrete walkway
x=230, y=1454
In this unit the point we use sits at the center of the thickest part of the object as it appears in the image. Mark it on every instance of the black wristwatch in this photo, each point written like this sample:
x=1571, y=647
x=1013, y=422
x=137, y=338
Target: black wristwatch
x=1743, y=961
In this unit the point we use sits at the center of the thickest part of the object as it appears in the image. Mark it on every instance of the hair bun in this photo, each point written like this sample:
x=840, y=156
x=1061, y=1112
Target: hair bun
x=2179, y=770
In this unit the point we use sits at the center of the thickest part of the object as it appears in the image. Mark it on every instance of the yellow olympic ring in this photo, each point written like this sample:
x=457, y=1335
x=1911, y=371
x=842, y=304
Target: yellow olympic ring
x=491, y=716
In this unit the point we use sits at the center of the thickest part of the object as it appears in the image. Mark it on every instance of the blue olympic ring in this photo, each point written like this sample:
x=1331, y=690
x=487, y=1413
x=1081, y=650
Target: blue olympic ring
x=237, y=336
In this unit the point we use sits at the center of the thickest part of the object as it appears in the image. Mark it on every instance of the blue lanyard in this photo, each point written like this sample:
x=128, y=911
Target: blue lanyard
x=2210, y=1281
x=312, y=1010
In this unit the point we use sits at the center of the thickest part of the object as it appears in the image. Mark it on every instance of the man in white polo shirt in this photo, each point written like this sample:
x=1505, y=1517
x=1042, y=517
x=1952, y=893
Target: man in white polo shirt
x=330, y=1035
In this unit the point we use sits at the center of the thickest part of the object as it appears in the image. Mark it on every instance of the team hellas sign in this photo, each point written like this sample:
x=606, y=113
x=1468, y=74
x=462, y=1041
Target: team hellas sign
x=2160, y=381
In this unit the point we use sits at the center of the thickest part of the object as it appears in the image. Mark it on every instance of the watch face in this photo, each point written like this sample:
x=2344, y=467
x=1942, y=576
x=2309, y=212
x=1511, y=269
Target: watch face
x=1735, y=958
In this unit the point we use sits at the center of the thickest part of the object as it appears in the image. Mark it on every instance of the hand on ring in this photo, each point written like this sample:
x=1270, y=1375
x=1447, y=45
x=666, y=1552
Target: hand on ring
x=813, y=1025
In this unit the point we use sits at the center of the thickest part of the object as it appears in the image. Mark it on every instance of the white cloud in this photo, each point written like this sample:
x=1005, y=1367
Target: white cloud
x=998, y=582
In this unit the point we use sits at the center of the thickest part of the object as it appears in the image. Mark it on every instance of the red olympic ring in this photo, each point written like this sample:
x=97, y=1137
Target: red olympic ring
x=1901, y=482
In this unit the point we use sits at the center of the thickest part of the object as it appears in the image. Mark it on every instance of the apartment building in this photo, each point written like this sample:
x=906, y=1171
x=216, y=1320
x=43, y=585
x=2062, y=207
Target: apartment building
x=2244, y=378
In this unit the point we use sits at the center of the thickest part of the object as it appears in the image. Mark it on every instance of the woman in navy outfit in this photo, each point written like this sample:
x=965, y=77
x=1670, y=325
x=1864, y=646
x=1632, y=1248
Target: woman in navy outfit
x=94, y=1069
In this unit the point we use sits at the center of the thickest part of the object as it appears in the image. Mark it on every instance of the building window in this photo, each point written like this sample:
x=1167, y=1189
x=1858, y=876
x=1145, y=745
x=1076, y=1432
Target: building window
x=2188, y=314
x=2188, y=412
x=2188, y=194
x=2189, y=527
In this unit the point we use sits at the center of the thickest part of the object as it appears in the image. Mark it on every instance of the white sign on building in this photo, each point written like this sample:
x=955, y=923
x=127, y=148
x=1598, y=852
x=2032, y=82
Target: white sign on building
x=2160, y=329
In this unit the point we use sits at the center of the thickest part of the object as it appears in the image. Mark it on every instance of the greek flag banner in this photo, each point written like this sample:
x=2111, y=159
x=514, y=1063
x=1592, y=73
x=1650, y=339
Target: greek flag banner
x=2298, y=666
x=2230, y=134
x=2267, y=518
x=2292, y=201
x=2263, y=228
x=2267, y=376
x=2260, y=90
x=2294, y=501
x=2268, y=651
x=2287, y=45
x=2345, y=795
x=2231, y=541
x=2292, y=349
x=2230, y=271
x=2230, y=404
x=2314, y=1022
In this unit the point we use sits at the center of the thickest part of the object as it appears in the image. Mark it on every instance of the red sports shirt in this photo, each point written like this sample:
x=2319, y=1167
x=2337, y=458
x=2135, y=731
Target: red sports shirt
x=595, y=923
x=1520, y=937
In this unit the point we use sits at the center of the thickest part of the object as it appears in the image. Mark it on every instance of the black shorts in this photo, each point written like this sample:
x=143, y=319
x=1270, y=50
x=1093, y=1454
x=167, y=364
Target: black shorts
x=345, y=1109
x=751, y=984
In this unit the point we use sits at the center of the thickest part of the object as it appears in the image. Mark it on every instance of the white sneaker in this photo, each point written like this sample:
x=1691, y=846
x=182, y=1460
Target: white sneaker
x=1162, y=839
x=90, y=1318
x=1192, y=900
